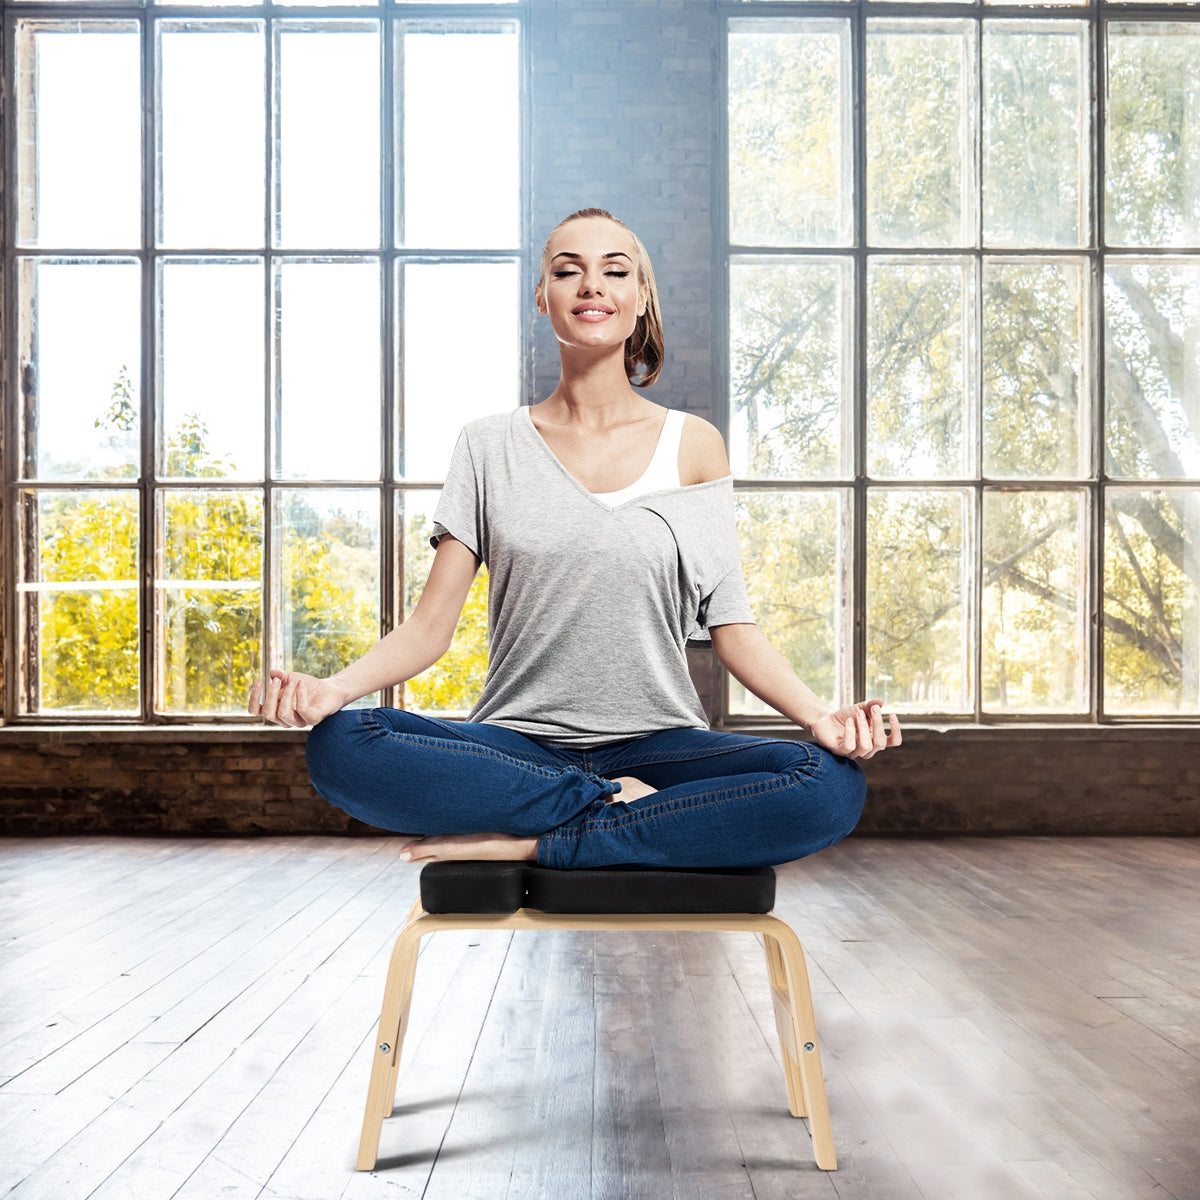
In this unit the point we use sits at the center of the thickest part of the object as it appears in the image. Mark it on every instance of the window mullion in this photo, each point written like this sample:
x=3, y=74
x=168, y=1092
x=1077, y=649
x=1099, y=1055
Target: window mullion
x=390, y=570
x=149, y=549
x=1094, y=354
x=858, y=526
x=270, y=642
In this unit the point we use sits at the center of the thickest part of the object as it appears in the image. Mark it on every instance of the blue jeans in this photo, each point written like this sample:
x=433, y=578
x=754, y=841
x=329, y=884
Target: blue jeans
x=723, y=799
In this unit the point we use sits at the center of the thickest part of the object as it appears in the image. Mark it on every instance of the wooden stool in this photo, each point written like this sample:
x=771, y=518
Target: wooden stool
x=513, y=895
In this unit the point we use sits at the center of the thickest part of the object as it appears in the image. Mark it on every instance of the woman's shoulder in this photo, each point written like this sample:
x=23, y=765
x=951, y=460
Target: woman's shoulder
x=493, y=424
x=702, y=456
x=483, y=436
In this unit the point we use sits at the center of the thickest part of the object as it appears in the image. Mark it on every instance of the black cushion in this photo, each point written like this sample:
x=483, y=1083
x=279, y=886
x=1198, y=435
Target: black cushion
x=503, y=887
x=473, y=887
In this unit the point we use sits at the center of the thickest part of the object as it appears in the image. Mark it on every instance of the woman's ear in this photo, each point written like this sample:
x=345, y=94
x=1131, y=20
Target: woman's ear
x=541, y=300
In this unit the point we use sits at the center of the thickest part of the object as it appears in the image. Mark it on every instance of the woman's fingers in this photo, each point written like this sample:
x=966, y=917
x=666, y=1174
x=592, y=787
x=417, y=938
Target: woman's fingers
x=879, y=737
x=275, y=701
x=866, y=737
x=270, y=699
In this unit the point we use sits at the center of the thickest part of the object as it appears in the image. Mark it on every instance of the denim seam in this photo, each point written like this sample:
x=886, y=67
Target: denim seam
x=633, y=817
x=475, y=748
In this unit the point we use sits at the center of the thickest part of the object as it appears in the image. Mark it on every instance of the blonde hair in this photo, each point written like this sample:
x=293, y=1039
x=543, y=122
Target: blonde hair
x=644, y=346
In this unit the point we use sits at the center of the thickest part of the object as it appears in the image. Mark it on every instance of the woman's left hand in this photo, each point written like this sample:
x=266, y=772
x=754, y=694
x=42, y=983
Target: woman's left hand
x=857, y=731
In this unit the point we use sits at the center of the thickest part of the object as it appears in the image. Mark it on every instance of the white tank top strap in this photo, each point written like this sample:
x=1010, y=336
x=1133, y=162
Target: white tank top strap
x=663, y=471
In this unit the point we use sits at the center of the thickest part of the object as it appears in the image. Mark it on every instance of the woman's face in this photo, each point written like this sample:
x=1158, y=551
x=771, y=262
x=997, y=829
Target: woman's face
x=590, y=289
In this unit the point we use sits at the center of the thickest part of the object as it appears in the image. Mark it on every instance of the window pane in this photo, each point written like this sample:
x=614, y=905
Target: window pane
x=329, y=383
x=920, y=389
x=1035, y=163
x=454, y=682
x=212, y=369
x=1035, y=621
x=438, y=401
x=795, y=546
x=330, y=549
x=209, y=582
x=1034, y=396
x=791, y=362
x=80, y=601
x=789, y=133
x=1152, y=135
x=213, y=138
x=79, y=134
x=329, y=136
x=1151, y=607
x=1152, y=368
x=80, y=353
x=461, y=127
x=919, y=588
x=920, y=106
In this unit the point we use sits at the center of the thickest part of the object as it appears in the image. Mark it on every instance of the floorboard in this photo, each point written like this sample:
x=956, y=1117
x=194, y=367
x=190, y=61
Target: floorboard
x=191, y=1019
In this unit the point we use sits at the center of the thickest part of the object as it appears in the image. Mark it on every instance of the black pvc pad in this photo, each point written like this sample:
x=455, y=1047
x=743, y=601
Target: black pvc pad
x=473, y=887
x=491, y=887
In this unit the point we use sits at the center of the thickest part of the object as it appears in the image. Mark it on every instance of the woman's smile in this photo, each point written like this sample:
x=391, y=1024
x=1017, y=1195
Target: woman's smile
x=592, y=312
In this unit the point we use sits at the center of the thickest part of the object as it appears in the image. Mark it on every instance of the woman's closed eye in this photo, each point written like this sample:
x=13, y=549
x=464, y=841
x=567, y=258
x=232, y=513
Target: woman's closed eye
x=567, y=273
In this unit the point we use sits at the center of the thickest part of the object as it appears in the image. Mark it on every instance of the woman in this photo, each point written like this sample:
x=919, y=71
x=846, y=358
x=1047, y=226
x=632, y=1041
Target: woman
x=607, y=526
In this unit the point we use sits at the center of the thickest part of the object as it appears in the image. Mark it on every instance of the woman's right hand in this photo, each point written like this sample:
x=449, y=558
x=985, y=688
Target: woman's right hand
x=294, y=699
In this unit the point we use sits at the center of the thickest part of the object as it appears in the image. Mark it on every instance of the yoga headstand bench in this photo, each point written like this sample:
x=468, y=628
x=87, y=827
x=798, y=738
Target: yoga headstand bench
x=517, y=895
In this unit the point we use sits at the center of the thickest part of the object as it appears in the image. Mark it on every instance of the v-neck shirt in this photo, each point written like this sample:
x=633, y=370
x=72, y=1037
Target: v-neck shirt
x=590, y=605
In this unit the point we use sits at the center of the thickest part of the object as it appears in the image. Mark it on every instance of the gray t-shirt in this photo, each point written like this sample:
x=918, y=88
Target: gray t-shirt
x=590, y=607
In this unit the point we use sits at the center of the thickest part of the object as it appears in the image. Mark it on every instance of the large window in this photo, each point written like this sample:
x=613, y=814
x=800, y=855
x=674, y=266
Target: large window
x=246, y=250
x=963, y=260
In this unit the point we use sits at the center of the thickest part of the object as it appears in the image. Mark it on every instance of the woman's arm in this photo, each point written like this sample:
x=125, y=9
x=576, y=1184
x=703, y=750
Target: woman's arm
x=295, y=699
x=855, y=731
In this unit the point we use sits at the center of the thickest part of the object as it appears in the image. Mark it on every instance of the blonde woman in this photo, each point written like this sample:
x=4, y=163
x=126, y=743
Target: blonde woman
x=607, y=525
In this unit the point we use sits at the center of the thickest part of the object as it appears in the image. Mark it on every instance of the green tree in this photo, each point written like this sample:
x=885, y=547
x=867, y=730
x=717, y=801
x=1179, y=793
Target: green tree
x=209, y=589
x=454, y=682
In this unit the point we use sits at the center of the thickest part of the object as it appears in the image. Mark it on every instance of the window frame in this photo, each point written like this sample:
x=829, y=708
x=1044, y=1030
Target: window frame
x=264, y=483
x=1096, y=15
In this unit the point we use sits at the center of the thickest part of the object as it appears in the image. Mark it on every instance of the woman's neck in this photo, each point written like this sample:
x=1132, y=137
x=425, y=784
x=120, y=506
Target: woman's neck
x=596, y=393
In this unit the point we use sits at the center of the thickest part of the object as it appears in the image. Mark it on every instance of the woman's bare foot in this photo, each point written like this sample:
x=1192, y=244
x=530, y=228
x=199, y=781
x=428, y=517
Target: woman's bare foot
x=498, y=847
x=631, y=789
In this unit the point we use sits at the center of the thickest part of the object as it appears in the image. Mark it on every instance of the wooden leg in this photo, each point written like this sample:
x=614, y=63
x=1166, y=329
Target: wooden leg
x=784, y=1026
x=794, y=1013
x=393, y=1022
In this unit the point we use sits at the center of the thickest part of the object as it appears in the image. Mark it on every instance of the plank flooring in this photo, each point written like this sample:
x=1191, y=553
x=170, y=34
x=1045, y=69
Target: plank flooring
x=1000, y=1018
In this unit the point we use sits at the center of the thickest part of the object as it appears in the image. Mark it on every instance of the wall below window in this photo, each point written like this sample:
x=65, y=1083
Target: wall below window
x=1115, y=780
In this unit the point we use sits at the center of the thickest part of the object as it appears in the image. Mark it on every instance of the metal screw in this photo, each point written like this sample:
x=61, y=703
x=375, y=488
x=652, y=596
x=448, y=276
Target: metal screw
x=384, y=1048
x=809, y=1047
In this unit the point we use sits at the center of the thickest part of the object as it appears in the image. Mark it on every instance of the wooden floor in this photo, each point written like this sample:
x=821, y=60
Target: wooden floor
x=999, y=1018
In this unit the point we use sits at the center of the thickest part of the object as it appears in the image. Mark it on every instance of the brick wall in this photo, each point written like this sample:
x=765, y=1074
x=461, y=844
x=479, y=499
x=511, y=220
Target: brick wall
x=1062, y=781
x=623, y=103
x=80, y=781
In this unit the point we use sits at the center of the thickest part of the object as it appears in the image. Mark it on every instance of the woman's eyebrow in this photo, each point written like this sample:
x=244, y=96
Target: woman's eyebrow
x=573, y=254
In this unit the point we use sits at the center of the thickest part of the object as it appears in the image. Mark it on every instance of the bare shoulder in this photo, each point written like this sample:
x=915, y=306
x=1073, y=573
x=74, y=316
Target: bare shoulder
x=702, y=454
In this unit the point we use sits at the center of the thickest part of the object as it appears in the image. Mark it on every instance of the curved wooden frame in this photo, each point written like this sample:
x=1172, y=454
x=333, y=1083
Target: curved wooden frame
x=790, y=991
